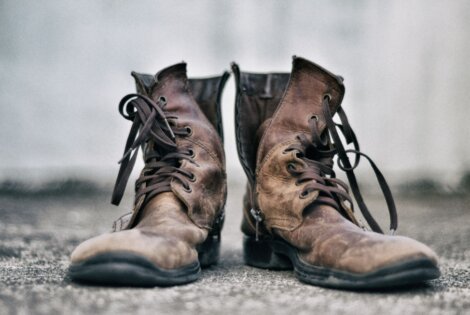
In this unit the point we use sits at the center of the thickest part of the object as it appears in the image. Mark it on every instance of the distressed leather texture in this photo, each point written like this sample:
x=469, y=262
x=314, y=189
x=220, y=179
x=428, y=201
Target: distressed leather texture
x=206, y=91
x=327, y=239
x=302, y=100
x=167, y=228
x=258, y=95
x=323, y=236
x=165, y=235
x=209, y=190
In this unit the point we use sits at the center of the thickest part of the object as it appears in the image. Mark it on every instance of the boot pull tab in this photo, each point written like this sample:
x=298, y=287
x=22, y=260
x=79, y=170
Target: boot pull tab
x=236, y=74
x=267, y=88
x=256, y=214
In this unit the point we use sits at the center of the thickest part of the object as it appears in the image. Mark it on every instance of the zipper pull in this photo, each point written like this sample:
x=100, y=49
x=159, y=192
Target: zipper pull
x=256, y=214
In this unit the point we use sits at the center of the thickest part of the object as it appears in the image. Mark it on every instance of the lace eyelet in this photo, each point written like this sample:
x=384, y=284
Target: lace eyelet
x=187, y=189
x=328, y=96
x=192, y=178
x=314, y=117
x=304, y=194
x=189, y=130
x=162, y=100
x=291, y=166
x=191, y=153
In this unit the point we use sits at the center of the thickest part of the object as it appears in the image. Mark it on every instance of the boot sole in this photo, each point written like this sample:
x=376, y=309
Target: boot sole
x=129, y=269
x=279, y=255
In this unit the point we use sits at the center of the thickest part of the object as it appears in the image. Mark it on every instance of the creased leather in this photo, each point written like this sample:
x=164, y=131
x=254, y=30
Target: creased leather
x=277, y=190
x=206, y=91
x=165, y=235
x=209, y=191
x=257, y=98
x=327, y=239
x=322, y=235
x=167, y=228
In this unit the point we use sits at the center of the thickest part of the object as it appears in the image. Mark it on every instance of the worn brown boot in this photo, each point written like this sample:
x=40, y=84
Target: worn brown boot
x=297, y=214
x=175, y=225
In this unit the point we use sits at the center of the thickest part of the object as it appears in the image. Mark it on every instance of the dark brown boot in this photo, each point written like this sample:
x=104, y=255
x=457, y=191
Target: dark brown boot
x=175, y=225
x=297, y=214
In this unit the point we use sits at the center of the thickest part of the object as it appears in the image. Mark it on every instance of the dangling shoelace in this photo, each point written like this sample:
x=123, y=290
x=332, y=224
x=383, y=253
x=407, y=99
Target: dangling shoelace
x=318, y=154
x=151, y=130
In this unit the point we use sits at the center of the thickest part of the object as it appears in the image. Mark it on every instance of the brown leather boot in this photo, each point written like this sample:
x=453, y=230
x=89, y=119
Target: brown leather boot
x=175, y=225
x=297, y=214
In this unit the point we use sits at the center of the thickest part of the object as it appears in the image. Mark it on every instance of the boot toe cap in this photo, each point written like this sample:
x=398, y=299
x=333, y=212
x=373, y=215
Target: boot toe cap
x=164, y=252
x=384, y=252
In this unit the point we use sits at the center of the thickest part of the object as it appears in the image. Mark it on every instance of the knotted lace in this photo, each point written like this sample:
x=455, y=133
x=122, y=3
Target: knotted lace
x=318, y=154
x=153, y=131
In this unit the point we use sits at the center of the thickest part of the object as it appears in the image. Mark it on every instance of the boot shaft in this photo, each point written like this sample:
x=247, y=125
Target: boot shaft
x=257, y=97
x=192, y=165
x=290, y=163
x=293, y=98
x=272, y=109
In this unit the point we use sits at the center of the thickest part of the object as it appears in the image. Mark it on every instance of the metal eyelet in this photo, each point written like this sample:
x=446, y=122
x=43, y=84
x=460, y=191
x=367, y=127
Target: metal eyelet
x=314, y=117
x=191, y=153
x=162, y=100
x=192, y=178
x=328, y=96
x=304, y=194
x=187, y=189
x=189, y=130
x=291, y=166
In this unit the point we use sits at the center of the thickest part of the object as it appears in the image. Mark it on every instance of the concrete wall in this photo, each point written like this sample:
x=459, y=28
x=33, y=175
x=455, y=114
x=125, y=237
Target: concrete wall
x=66, y=64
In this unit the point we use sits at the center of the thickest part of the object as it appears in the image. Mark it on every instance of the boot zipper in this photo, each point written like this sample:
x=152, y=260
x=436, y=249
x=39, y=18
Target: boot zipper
x=256, y=214
x=218, y=222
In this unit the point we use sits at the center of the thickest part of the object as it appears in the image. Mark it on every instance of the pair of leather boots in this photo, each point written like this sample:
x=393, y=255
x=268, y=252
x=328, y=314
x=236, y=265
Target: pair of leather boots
x=297, y=214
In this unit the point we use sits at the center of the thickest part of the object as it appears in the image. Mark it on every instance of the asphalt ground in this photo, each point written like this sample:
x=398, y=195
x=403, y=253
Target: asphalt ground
x=39, y=231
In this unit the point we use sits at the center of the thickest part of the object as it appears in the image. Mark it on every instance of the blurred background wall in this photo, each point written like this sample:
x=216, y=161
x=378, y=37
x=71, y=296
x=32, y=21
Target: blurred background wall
x=66, y=64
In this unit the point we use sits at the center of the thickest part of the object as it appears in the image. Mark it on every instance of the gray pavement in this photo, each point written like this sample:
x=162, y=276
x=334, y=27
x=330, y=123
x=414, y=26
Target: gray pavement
x=38, y=232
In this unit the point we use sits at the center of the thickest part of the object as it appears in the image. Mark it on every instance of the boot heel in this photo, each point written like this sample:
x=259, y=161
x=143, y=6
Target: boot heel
x=209, y=251
x=260, y=254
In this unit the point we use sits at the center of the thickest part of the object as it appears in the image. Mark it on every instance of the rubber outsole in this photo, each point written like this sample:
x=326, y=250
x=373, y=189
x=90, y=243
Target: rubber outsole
x=130, y=269
x=279, y=255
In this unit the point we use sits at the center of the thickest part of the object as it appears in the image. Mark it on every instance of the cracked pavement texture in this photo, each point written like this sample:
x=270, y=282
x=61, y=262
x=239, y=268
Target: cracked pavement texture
x=38, y=233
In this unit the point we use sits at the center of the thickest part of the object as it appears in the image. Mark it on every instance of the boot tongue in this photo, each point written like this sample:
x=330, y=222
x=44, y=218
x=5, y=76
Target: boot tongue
x=176, y=71
x=165, y=199
x=302, y=101
x=172, y=83
x=146, y=83
x=143, y=82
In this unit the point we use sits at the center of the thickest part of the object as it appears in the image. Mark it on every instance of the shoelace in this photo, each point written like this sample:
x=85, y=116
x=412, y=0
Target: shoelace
x=151, y=130
x=318, y=155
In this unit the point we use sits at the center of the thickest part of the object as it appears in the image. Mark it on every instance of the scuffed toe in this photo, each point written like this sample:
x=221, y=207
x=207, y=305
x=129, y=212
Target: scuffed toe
x=164, y=252
x=383, y=251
